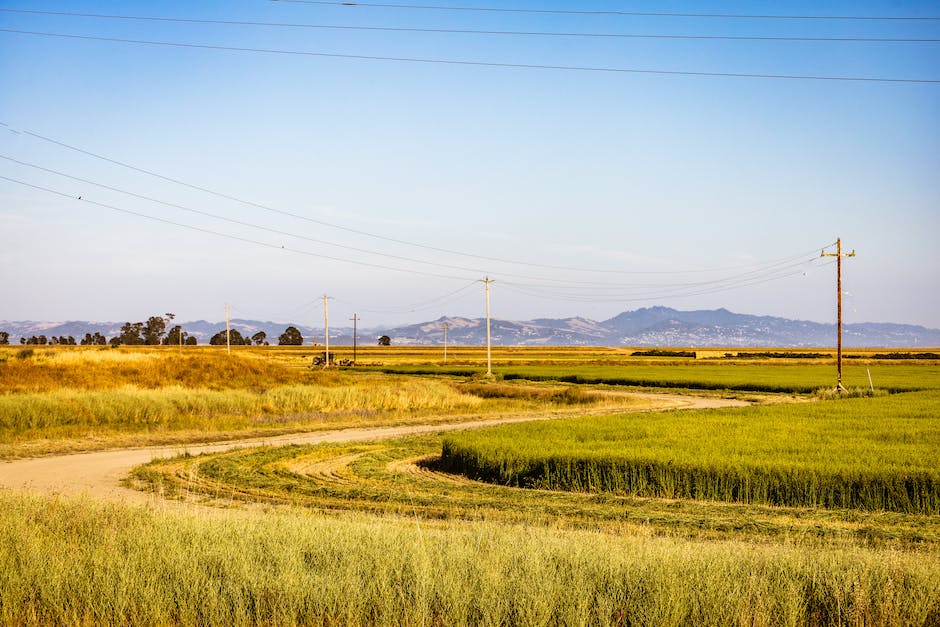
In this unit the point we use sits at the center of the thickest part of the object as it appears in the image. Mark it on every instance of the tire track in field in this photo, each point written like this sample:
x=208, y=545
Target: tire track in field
x=99, y=474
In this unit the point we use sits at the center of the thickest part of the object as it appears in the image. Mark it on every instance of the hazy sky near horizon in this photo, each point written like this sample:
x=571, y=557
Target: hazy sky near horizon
x=393, y=168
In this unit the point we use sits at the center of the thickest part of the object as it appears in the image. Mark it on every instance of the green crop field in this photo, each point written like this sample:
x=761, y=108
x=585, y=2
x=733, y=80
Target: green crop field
x=764, y=376
x=868, y=453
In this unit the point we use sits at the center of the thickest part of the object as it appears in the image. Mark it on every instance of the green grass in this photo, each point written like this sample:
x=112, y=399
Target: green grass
x=870, y=453
x=402, y=477
x=792, y=378
x=80, y=563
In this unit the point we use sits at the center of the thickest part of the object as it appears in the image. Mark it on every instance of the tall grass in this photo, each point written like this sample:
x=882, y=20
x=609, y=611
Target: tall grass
x=400, y=477
x=877, y=453
x=104, y=369
x=72, y=562
x=70, y=413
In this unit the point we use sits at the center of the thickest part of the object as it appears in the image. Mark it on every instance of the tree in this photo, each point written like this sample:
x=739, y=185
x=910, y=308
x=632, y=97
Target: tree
x=235, y=339
x=290, y=337
x=385, y=341
x=173, y=337
x=154, y=330
x=94, y=340
x=4, y=337
x=130, y=334
x=259, y=338
x=190, y=341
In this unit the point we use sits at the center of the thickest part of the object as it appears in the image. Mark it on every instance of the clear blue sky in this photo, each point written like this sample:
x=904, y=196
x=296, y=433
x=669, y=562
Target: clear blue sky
x=606, y=191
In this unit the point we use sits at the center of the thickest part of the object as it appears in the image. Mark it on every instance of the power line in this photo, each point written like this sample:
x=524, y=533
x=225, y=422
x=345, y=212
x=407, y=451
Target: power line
x=639, y=297
x=236, y=221
x=226, y=235
x=434, y=7
x=664, y=289
x=488, y=64
x=463, y=31
x=558, y=283
x=690, y=290
x=676, y=291
x=365, y=233
x=419, y=306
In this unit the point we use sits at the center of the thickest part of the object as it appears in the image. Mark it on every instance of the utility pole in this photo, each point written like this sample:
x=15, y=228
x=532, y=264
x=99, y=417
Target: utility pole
x=839, y=255
x=445, y=343
x=489, y=359
x=326, y=331
x=355, y=320
x=228, y=332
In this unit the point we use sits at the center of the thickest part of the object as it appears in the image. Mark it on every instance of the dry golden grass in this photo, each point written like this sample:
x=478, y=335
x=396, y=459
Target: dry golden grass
x=47, y=369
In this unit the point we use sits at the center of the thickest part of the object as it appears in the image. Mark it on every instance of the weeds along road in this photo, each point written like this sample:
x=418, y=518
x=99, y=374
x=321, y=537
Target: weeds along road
x=99, y=474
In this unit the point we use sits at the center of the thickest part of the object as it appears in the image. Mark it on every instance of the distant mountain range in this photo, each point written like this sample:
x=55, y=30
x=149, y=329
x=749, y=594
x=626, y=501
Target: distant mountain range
x=653, y=326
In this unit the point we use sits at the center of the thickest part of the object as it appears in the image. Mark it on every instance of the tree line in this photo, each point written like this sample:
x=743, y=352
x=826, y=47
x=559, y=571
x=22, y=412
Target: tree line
x=154, y=332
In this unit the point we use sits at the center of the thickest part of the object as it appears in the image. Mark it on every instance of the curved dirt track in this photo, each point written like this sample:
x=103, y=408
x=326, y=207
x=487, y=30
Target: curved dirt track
x=99, y=474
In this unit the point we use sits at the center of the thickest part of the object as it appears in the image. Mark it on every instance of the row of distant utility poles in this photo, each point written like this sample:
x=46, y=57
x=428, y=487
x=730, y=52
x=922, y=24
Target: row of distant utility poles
x=355, y=319
x=489, y=359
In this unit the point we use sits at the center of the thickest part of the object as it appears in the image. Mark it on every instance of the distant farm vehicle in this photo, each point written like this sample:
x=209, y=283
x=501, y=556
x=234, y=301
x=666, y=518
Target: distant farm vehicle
x=321, y=359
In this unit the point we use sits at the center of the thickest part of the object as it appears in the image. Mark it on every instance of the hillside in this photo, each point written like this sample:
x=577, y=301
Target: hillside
x=653, y=326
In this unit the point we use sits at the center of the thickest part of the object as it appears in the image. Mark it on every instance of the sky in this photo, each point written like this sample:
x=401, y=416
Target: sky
x=393, y=164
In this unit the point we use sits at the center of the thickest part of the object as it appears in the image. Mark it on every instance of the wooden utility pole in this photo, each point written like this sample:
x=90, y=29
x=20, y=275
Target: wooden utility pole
x=355, y=320
x=228, y=332
x=839, y=255
x=489, y=359
x=326, y=331
x=445, y=343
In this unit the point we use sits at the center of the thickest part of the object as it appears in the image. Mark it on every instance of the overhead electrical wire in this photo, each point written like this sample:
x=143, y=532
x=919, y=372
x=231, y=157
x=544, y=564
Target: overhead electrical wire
x=215, y=216
x=464, y=31
x=419, y=306
x=557, y=282
x=767, y=271
x=656, y=296
x=748, y=16
x=249, y=203
x=688, y=290
x=227, y=235
x=488, y=64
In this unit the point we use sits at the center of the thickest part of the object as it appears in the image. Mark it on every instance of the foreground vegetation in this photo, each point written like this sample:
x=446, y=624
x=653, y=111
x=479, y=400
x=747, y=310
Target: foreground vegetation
x=403, y=478
x=59, y=400
x=380, y=532
x=868, y=453
x=72, y=562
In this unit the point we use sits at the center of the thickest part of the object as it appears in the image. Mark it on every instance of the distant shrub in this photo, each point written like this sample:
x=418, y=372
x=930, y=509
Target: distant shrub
x=662, y=353
x=778, y=355
x=833, y=393
x=906, y=356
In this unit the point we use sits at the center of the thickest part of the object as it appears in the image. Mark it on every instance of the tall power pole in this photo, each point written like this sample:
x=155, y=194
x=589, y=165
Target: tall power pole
x=326, y=331
x=355, y=320
x=445, y=343
x=489, y=359
x=228, y=332
x=839, y=255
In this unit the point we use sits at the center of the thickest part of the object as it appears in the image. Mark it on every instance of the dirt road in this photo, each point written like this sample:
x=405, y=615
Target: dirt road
x=99, y=474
